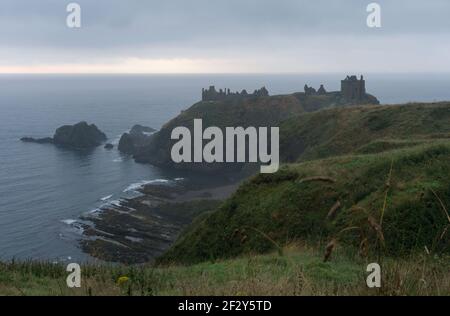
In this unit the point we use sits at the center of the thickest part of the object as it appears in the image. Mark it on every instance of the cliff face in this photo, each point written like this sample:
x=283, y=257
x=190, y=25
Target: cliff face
x=257, y=112
x=269, y=111
x=131, y=142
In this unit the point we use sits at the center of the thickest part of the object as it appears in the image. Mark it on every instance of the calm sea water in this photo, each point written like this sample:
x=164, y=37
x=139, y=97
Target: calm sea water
x=44, y=188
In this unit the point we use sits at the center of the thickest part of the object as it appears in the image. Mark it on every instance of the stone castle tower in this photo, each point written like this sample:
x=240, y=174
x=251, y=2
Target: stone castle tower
x=353, y=88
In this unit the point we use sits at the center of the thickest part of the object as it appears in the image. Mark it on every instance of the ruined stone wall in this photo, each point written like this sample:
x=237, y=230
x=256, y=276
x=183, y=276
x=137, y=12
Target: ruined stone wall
x=211, y=94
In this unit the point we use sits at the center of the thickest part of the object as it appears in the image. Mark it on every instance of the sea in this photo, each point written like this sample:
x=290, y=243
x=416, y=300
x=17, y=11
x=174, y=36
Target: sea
x=45, y=189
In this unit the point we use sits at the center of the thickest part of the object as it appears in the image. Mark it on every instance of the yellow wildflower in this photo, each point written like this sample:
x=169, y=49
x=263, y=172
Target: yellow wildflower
x=122, y=280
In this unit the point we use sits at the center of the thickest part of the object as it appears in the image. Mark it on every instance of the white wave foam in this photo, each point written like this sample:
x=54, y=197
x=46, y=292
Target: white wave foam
x=106, y=198
x=115, y=203
x=74, y=224
x=138, y=185
x=69, y=221
x=179, y=179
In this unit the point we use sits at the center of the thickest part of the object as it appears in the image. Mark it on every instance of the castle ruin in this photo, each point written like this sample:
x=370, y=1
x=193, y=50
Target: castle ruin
x=312, y=91
x=353, y=88
x=212, y=94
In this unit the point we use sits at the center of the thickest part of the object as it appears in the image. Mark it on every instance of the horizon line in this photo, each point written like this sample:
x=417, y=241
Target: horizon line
x=227, y=73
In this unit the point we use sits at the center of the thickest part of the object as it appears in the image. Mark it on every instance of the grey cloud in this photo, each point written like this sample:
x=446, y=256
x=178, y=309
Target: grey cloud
x=36, y=30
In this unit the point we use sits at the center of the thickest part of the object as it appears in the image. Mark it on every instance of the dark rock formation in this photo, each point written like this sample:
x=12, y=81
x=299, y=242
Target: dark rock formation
x=137, y=137
x=80, y=135
x=139, y=129
x=46, y=140
x=109, y=146
x=245, y=112
x=126, y=144
x=139, y=236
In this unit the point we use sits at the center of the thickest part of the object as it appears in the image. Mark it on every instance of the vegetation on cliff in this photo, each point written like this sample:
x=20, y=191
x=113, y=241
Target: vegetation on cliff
x=258, y=112
x=394, y=202
x=381, y=170
x=362, y=129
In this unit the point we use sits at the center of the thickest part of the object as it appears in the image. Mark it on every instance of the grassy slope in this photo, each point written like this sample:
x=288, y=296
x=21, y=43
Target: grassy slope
x=363, y=129
x=283, y=208
x=300, y=271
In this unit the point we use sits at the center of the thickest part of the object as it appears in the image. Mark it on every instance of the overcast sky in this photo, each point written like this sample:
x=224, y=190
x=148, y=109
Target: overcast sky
x=237, y=36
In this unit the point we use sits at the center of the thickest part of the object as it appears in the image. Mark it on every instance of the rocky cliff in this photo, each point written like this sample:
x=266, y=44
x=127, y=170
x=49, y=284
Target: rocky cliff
x=268, y=111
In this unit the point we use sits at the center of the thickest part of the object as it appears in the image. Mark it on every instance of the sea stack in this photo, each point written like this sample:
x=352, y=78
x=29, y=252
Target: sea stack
x=79, y=136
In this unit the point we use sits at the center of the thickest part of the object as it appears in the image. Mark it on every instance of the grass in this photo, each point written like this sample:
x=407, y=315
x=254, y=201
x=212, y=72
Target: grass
x=362, y=130
x=300, y=271
x=285, y=208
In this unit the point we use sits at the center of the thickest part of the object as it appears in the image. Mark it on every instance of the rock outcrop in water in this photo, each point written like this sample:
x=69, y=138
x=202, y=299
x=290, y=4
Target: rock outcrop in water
x=81, y=136
x=126, y=144
x=137, y=138
x=46, y=140
x=140, y=129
